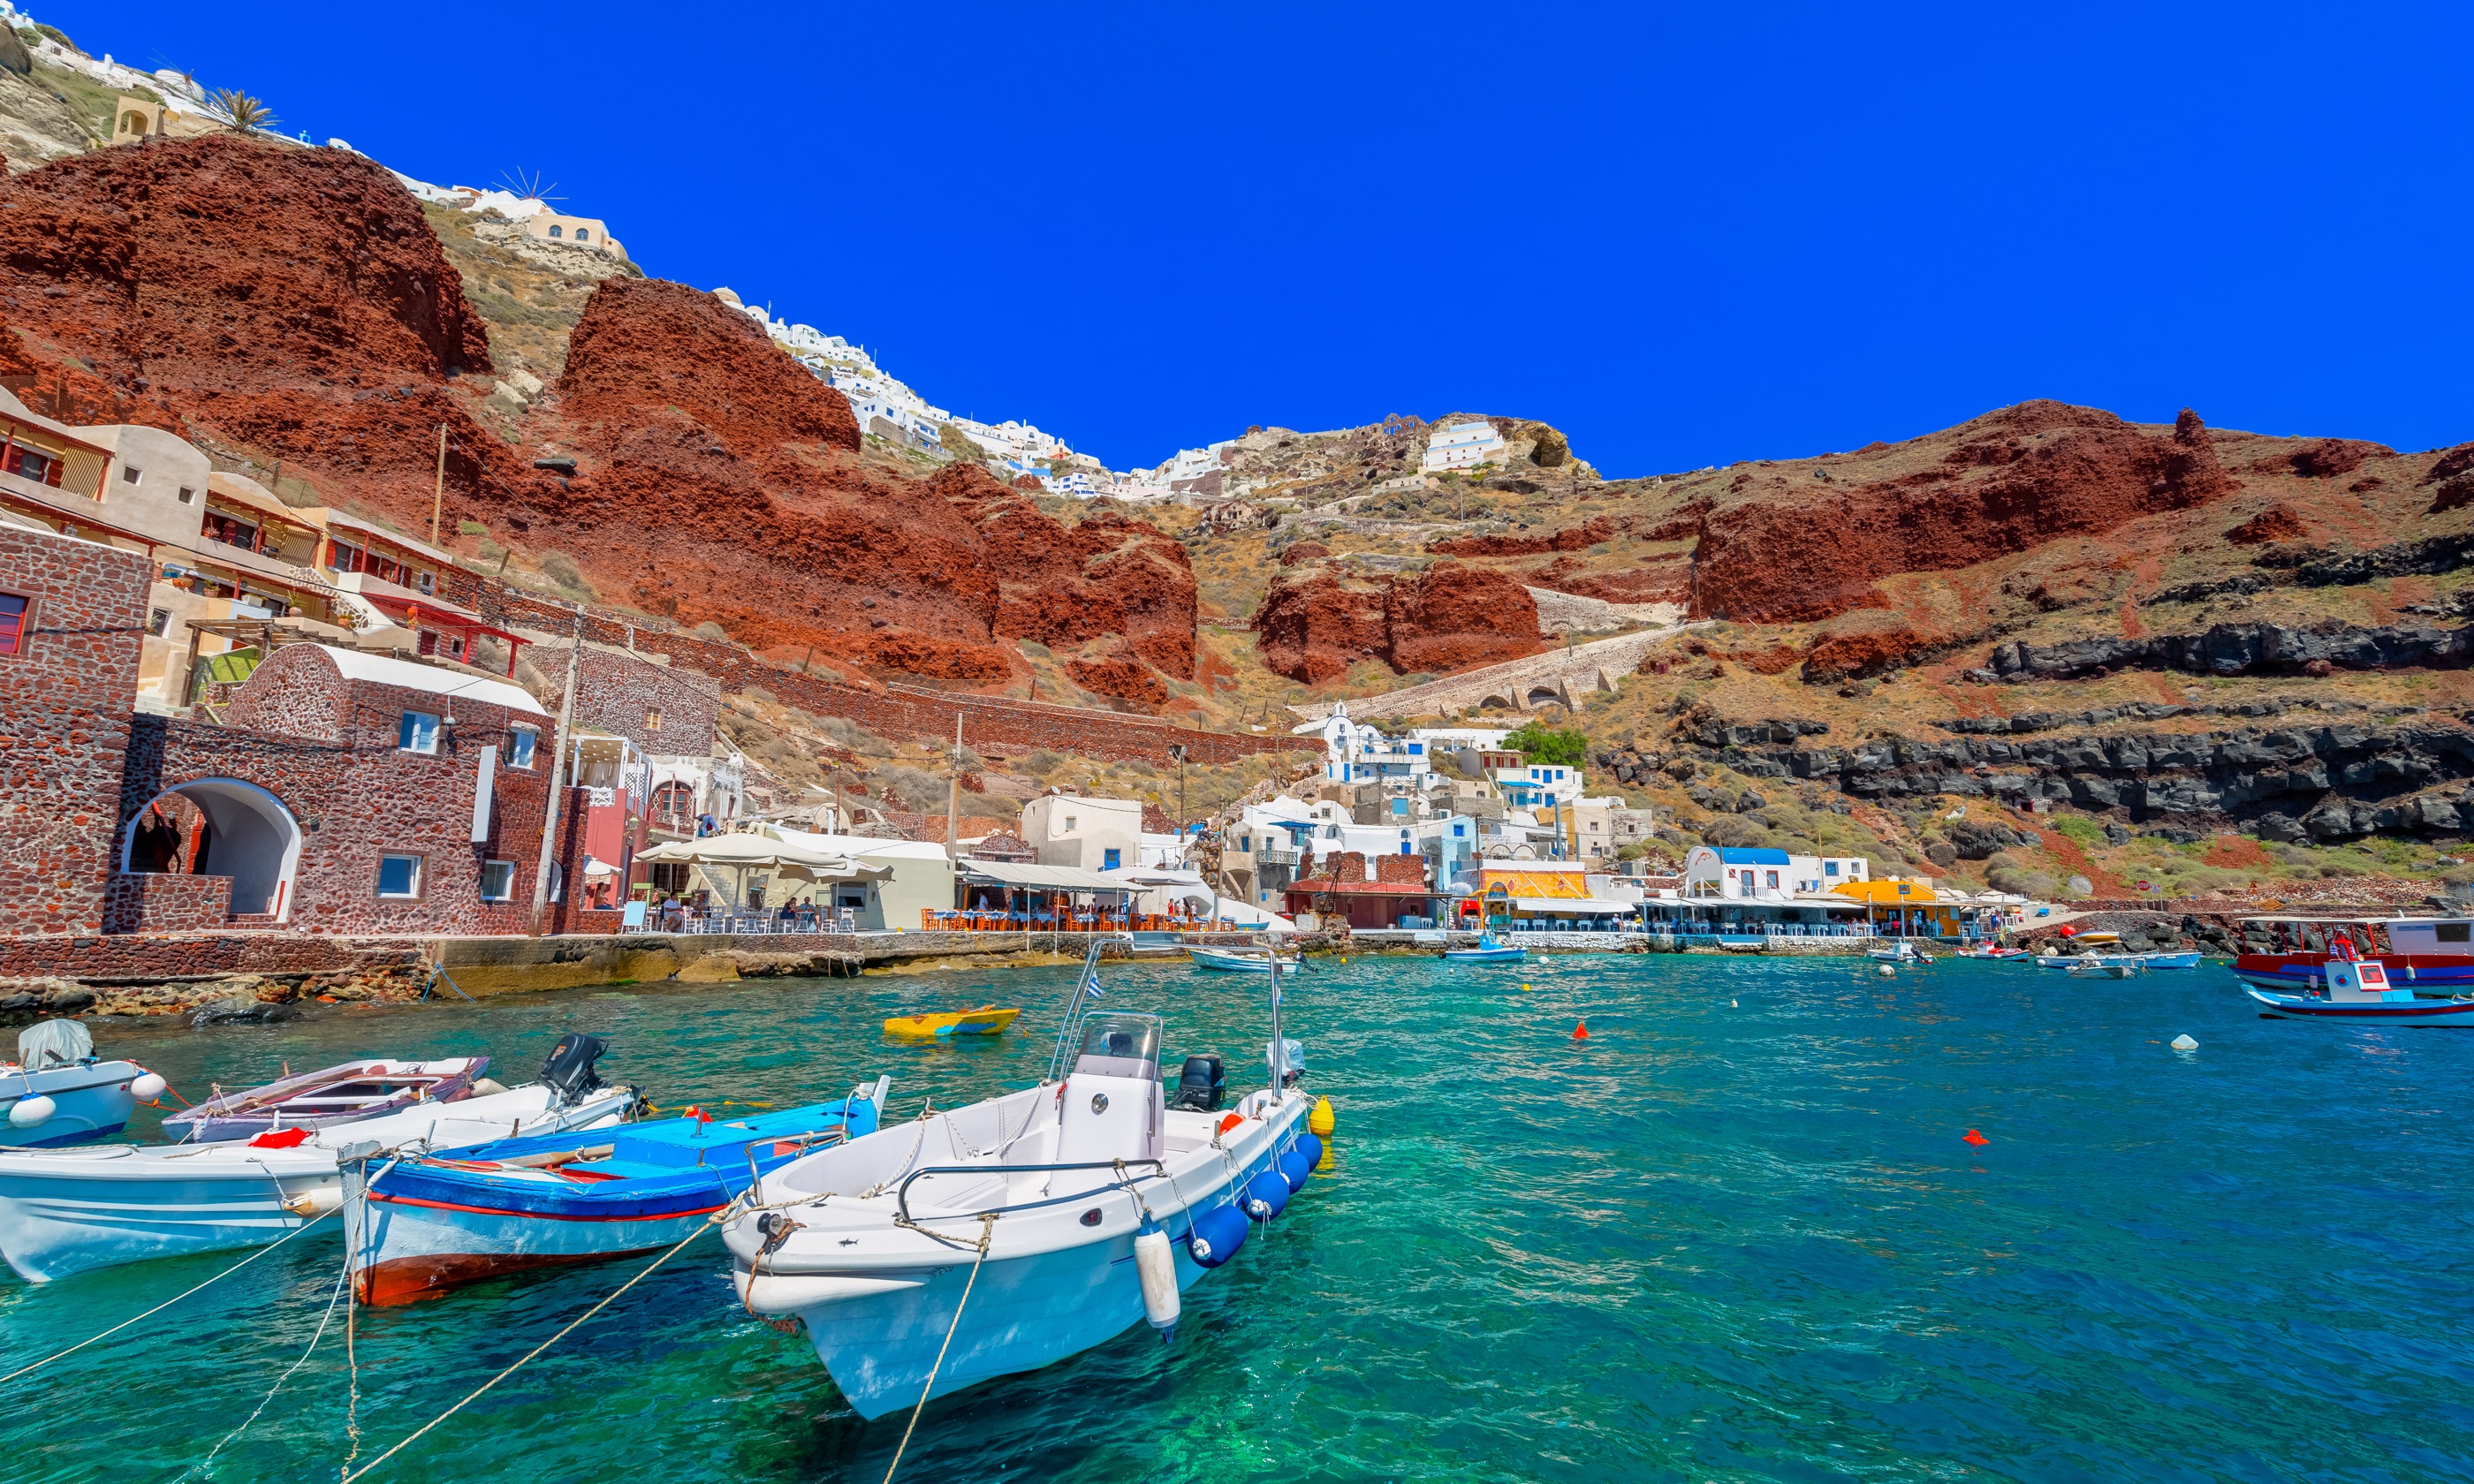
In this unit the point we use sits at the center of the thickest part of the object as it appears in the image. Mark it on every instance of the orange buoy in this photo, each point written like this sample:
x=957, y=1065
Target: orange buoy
x=1581, y=1032
x=1973, y=1137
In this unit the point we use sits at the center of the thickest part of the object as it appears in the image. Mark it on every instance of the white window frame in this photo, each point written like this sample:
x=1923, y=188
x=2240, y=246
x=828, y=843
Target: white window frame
x=507, y=885
x=418, y=868
x=406, y=734
x=524, y=745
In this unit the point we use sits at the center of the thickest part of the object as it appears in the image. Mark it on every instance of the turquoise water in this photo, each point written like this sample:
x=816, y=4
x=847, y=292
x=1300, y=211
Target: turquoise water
x=1735, y=1234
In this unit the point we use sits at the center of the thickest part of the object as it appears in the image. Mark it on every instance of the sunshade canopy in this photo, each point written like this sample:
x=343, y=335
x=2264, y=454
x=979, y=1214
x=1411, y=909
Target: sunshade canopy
x=756, y=852
x=1044, y=879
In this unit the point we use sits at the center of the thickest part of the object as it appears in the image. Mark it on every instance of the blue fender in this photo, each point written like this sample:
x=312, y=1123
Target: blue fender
x=1216, y=1237
x=1266, y=1195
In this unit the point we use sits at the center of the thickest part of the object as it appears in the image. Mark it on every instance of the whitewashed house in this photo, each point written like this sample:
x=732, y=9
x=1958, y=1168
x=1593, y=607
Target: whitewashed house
x=1463, y=446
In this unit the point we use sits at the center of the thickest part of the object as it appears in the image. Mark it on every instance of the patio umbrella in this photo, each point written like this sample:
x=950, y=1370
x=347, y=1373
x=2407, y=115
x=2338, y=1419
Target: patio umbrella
x=743, y=854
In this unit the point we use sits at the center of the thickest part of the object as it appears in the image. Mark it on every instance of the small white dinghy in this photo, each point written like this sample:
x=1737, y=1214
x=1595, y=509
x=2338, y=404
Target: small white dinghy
x=1096, y=1200
x=72, y=1210
x=55, y=1092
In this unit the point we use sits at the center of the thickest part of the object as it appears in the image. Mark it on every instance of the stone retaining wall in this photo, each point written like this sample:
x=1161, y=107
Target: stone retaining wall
x=149, y=903
x=904, y=712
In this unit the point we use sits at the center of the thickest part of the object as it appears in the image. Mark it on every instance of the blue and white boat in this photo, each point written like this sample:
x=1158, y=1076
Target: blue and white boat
x=2360, y=991
x=1488, y=951
x=58, y=1093
x=430, y=1223
x=1234, y=961
x=1008, y=1235
x=64, y=1211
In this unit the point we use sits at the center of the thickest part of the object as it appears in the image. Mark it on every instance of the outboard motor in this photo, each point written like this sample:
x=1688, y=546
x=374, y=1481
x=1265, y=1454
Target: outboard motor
x=1203, y=1086
x=568, y=1071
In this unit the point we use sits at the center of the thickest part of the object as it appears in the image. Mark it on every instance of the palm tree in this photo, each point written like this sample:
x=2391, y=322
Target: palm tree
x=247, y=114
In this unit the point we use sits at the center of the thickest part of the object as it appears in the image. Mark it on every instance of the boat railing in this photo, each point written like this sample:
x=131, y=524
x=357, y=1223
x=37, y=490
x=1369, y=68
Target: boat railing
x=902, y=1193
x=805, y=1142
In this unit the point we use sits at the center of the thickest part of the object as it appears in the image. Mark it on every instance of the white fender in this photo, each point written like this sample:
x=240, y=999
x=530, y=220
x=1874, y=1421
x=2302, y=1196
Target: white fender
x=32, y=1113
x=147, y=1087
x=1156, y=1263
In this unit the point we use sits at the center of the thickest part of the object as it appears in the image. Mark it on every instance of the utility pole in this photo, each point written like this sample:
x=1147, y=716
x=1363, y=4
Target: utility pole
x=557, y=766
x=438, y=490
x=1177, y=750
x=954, y=793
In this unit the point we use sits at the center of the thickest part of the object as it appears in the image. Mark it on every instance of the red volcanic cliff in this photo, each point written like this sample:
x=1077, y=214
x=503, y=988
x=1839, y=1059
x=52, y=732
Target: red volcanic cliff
x=1315, y=624
x=712, y=489
x=293, y=304
x=1805, y=544
x=291, y=300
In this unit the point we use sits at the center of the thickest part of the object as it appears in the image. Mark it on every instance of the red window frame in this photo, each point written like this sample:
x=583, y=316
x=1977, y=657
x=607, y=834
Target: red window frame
x=14, y=624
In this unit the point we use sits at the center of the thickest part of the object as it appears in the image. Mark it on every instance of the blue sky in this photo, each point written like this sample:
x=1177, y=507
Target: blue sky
x=1685, y=236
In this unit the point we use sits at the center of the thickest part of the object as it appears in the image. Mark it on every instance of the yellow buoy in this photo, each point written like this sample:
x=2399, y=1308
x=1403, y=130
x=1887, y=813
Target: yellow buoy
x=1524, y=989
x=1320, y=1122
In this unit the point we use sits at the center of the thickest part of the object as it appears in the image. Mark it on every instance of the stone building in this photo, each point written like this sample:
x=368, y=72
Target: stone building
x=670, y=719
x=71, y=619
x=347, y=792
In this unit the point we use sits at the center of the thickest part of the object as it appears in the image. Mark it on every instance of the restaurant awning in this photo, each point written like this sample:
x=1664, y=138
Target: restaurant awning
x=1040, y=879
x=1583, y=906
x=756, y=852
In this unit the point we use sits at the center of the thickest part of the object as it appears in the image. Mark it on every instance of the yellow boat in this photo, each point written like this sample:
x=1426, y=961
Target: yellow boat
x=985, y=1021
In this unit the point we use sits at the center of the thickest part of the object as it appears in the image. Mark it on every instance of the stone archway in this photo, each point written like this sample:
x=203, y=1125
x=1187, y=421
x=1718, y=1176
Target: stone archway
x=1546, y=695
x=250, y=836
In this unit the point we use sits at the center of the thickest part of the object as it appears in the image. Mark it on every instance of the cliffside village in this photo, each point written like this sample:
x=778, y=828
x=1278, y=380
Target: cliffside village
x=233, y=711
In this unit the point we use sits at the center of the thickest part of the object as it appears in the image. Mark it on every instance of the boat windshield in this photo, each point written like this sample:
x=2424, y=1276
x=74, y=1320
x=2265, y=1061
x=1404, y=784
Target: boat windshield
x=1121, y=1045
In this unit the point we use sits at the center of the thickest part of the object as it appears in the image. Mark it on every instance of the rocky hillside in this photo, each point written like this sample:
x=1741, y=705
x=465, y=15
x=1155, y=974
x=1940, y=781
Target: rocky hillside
x=294, y=307
x=2215, y=657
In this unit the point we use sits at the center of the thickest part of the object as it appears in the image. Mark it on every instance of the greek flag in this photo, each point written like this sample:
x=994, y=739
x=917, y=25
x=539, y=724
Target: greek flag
x=1091, y=987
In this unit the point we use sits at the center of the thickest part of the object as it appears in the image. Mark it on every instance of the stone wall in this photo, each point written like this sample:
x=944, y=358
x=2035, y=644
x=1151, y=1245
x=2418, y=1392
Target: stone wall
x=65, y=722
x=659, y=709
x=157, y=902
x=176, y=956
x=898, y=710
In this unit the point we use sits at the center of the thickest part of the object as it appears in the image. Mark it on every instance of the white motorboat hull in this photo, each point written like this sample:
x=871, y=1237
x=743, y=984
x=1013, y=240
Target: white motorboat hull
x=877, y=1326
x=91, y=1101
x=72, y=1210
x=1025, y=1313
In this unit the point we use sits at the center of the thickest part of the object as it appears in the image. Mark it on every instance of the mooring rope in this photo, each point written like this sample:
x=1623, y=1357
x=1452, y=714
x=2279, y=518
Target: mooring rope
x=712, y=1221
x=168, y=1302
x=207, y=1464
x=987, y=1230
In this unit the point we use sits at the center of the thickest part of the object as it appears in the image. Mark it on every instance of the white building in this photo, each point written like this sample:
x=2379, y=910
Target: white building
x=1137, y=488
x=1093, y=834
x=1756, y=875
x=1355, y=752
x=1539, y=786
x=539, y=220
x=1447, y=740
x=1464, y=446
x=876, y=399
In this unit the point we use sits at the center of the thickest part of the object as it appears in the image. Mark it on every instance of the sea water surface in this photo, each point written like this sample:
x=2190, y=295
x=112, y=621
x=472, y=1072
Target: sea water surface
x=1737, y=1233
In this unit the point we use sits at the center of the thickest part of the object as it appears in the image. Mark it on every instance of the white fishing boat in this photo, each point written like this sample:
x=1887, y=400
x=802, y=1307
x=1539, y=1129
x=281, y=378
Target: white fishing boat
x=1008, y=1235
x=71, y=1211
x=1235, y=961
x=2094, y=968
x=55, y=1092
